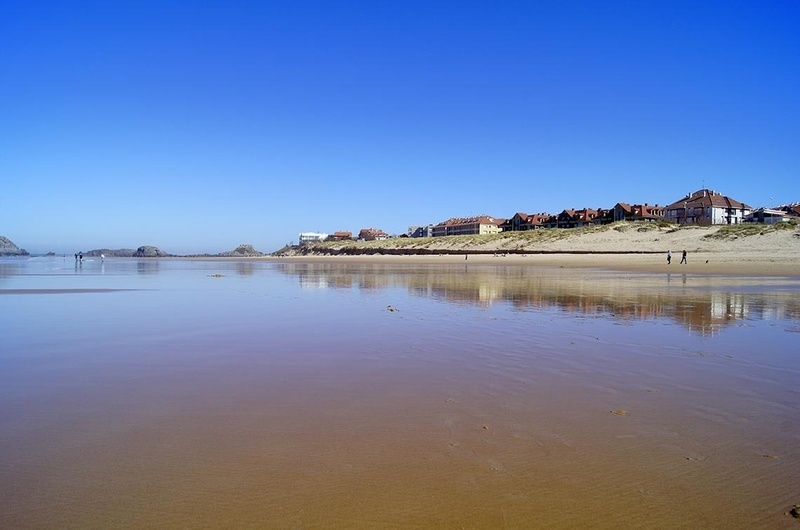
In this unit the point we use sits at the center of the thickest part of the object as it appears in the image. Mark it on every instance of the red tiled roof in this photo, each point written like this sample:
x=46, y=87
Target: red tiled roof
x=482, y=219
x=706, y=198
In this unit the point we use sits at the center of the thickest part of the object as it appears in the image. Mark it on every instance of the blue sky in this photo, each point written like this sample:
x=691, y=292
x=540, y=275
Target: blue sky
x=197, y=126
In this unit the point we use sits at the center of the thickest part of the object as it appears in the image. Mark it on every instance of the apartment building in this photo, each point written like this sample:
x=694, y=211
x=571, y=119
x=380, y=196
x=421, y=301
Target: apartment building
x=706, y=207
x=460, y=226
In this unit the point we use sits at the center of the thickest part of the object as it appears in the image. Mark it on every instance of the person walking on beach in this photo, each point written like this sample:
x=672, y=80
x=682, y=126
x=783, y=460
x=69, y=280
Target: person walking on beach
x=669, y=257
x=683, y=257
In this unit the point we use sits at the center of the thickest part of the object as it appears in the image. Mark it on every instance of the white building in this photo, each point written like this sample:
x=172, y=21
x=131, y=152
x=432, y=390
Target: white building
x=706, y=207
x=768, y=216
x=311, y=237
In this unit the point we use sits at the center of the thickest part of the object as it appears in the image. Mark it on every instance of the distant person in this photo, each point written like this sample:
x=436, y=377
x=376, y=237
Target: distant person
x=683, y=257
x=76, y=256
x=102, y=257
x=80, y=256
x=669, y=257
x=465, y=257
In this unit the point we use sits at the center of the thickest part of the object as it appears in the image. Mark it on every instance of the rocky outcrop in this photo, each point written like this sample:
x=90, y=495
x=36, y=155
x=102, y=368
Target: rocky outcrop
x=242, y=251
x=149, y=252
x=7, y=248
x=109, y=253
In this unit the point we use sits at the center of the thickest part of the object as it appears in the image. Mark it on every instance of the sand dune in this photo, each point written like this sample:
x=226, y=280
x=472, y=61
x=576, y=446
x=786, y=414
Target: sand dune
x=751, y=250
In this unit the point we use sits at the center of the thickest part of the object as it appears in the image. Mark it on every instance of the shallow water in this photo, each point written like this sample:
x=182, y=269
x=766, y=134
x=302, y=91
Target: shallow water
x=319, y=395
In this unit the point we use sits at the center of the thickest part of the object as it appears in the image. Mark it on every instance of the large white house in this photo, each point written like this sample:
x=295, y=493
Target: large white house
x=311, y=237
x=707, y=207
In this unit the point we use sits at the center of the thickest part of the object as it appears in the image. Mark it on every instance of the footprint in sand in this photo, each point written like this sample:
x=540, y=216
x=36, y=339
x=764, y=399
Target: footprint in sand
x=449, y=423
x=496, y=465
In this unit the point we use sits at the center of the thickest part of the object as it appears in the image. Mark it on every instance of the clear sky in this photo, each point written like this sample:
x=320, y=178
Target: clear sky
x=196, y=126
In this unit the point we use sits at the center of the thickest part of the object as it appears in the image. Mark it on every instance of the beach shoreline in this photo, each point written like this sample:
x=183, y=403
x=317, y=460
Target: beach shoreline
x=701, y=263
x=741, y=250
x=705, y=263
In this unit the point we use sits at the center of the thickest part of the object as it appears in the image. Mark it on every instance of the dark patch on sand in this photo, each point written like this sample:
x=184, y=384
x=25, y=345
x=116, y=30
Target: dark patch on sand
x=61, y=291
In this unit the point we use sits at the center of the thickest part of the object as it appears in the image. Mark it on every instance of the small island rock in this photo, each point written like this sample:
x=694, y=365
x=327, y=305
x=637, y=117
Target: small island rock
x=149, y=252
x=243, y=250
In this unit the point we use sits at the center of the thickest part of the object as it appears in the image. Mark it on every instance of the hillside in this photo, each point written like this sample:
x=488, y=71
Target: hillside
x=8, y=248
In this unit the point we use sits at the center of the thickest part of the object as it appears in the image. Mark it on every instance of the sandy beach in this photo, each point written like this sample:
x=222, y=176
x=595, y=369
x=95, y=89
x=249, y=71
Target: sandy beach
x=773, y=253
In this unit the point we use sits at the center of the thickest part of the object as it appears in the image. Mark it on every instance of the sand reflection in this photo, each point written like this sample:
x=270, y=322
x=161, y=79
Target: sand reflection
x=286, y=395
x=703, y=304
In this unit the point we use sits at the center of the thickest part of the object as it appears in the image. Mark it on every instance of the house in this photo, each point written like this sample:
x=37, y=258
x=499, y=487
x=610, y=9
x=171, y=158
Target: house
x=575, y=218
x=590, y=217
x=706, y=207
x=768, y=216
x=791, y=209
x=638, y=212
x=372, y=234
x=537, y=221
x=311, y=237
x=440, y=229
x=459, y=226
x=420, y=231
x=342, y=235
x=552, y=221
x=521, y=222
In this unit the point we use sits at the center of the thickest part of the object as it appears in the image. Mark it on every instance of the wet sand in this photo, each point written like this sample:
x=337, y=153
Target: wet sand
x=517, y=397
x=697, y=263
x=59, y=291
x=377, y=450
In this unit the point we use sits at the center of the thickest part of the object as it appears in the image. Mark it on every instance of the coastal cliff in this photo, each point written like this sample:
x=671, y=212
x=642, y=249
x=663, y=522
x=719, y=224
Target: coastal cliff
x=8, y=248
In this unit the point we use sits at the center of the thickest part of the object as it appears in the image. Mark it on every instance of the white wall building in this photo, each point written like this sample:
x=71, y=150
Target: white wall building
x=311, y=237
x=706, y=207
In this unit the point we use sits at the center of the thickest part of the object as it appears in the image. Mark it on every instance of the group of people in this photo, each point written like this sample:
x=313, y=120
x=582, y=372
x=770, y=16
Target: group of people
x=669, y=257
x=79, y=256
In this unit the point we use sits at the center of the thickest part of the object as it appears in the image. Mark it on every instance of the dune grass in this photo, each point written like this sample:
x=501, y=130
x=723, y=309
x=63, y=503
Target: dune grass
x=750, y=229
x=501, y=242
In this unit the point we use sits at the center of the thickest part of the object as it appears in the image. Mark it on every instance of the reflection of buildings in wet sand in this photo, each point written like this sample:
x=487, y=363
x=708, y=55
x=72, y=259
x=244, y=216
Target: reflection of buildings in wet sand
x=338, y=276
x=709, y=313
x=702, y=310
x=720, y=308
x=475, y=288
x=728, y=305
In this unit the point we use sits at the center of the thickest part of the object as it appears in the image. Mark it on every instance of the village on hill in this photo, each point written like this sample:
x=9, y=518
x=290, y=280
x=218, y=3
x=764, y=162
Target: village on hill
x=704, y=207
